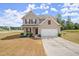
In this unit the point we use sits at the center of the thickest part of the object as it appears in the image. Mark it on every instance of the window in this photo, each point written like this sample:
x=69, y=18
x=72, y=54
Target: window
x=35, y=21
x=29, y=21
x=25, y=21
x=49, y=22
x=32, y=21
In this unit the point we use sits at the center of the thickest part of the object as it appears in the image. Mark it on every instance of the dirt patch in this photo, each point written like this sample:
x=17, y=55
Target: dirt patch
x=21, y=47
x=11, y=37
x=13, y=45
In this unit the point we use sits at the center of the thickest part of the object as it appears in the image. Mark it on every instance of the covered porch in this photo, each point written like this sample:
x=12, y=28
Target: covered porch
x=32, y=29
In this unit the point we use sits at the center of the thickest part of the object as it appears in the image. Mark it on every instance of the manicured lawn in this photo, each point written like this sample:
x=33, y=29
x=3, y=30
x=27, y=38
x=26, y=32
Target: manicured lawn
x=71, y=35
x=17, y=46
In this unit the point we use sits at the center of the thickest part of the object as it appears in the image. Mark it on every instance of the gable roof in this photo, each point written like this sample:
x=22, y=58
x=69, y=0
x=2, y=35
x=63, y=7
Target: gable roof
x=38, y=16
x=30, y=13
x=51, y=18
x=44, y=17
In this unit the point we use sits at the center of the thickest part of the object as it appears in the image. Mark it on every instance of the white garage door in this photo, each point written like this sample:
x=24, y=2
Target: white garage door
x=49, y=32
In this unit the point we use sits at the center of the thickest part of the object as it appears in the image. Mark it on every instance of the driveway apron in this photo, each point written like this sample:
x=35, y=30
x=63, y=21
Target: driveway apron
x=60, y=47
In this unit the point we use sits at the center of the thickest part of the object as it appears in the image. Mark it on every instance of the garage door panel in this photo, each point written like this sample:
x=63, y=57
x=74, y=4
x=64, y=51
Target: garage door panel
x=49, y=32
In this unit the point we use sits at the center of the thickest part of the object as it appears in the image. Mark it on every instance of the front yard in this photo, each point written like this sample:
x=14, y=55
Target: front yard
x=12, y=44
x=16, y=46
x=71, y=35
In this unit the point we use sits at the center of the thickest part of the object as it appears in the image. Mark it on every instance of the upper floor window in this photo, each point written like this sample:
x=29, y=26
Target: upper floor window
x=25, y=21
x=28, y=21
x=49, y=22
x=34, y=21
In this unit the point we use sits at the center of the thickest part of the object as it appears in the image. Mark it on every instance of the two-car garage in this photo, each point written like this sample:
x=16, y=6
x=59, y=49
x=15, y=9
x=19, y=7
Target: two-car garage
x=49, y=32
x=49, y=28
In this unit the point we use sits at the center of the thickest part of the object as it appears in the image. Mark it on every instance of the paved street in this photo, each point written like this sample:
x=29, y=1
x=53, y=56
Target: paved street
x=60, y=47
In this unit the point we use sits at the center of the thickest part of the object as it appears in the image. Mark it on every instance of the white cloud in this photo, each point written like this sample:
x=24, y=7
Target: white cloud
x=10, y=12
x=71, y=5
x=11, y=18
x=31, y=6
x=43, y=6
x=75, y=20
x=53, y=9
x=27, y=10
x=66, y=5
x=71, y=14
x=70, y=9
x=64, y=10
x=46, y=12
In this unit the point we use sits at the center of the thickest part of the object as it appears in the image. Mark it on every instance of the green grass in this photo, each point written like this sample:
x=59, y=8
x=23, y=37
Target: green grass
x=71, y=30
x=71, y=35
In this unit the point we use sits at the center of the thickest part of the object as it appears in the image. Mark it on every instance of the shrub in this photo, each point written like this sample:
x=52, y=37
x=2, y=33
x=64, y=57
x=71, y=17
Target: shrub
x=39, y=35
x=26, y=34
x=22, y=34
x=29, y=34
x=59, y=34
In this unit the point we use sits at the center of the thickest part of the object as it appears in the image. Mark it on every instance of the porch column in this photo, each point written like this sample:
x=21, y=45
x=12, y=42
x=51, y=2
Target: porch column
x=32, y=29
x=29, y=29
x=39, y=31
x=24, y=29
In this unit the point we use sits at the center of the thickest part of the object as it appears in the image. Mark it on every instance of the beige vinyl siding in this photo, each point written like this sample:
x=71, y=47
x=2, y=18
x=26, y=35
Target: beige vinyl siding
x=53, y=25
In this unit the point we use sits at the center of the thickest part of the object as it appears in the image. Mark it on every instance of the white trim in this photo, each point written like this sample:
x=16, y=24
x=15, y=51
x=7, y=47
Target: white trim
x=51, y=18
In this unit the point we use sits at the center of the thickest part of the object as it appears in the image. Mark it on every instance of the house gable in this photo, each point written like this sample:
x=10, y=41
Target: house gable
x=30, y=15
x=53, y=23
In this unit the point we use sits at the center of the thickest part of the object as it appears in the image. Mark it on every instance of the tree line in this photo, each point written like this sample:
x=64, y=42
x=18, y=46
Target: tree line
x=66, y=24
x=9, y=28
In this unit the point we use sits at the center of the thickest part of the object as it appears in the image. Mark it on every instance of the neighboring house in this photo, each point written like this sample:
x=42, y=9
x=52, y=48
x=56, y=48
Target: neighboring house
x=44, y=25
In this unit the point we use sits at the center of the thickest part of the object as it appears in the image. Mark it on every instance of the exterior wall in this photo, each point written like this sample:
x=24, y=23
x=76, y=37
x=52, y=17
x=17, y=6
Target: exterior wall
x=53, y=25
x=31, y=15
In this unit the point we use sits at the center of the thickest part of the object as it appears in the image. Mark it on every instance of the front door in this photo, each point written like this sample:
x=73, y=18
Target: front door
x=36, y=31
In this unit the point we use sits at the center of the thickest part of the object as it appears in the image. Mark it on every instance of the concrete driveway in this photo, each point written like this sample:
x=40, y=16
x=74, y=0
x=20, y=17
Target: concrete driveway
x=60, y=47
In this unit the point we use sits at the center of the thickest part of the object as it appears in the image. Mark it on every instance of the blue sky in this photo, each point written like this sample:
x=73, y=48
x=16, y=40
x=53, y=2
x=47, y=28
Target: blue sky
x=11, y=13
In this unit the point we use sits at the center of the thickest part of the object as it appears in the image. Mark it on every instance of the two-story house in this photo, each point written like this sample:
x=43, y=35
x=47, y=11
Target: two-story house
x=44, y=25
